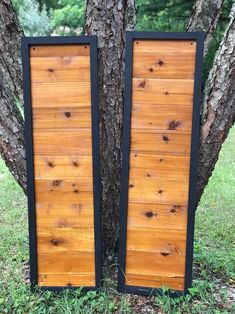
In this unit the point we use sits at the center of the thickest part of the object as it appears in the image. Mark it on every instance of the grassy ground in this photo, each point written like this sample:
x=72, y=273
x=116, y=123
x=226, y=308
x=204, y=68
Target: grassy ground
x=213, y=287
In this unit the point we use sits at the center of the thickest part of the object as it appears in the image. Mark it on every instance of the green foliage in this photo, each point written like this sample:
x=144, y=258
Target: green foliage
x=163, y=15
x=69, y=17
x=35, y=22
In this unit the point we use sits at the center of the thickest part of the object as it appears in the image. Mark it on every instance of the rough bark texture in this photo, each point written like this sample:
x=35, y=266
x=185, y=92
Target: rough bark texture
x=204, y=17
x=11, y=122
x=218, y=105
x=109, y=19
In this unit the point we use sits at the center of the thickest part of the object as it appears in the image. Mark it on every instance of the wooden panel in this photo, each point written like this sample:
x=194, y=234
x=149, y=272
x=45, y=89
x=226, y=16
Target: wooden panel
x=63, y=164
x=143, y=215
x=167, y=46
x=60, y=94
x=163, y=92
x=159, y=163
x=62, y=117
x=59, y=50
x=164, y=64
x=54, y=167
x=151, y=117
x=176, y=283
x=66, y=262
x=163, y=142
x=62, y=142
x=65, y=239
x=60, y=69
x=66, y=279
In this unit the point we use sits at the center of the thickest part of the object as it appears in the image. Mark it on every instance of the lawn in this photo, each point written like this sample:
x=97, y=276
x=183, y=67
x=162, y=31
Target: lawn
x=214, y=257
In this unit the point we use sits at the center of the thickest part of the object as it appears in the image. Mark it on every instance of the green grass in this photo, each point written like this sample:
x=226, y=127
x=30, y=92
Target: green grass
x=214, y=257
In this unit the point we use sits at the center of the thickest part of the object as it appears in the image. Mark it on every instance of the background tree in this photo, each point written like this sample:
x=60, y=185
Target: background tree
x=109, y=19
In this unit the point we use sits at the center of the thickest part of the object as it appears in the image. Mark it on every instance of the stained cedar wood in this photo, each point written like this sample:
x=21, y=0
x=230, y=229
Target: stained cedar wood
x=161, y=121
x=61, y=103
x=62, y=279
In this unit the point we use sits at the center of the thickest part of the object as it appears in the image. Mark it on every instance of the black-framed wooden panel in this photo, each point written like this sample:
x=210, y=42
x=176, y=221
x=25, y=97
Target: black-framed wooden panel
x=160, y=139
x=62, y=146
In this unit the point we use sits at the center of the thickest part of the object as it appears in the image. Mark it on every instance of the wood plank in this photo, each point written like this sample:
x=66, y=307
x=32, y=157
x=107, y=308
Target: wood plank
x=142, y=173
x=54, y=167
x=166, y=241
x=142, y=215
x=71, y=197
x=64, y=142
x=155, y=264
x=61, y=94
x=167, y=65
x=159, y=162
x=60, y=69
x=162, y=117
x=168, y=142
x=64, y=214
x=64, y=185
x=66, y=262
x=65, y=239
x=59, y=50
x=162, y=91
x=66, y=279
x=67, y=117
x=148, y=190
x=175, y=283
x=165, y=45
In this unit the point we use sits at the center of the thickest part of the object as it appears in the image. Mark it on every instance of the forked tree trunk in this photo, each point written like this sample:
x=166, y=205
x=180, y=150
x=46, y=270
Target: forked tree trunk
x=218, y=105
x=11, y=121
x=109, y=19
x=204, y=17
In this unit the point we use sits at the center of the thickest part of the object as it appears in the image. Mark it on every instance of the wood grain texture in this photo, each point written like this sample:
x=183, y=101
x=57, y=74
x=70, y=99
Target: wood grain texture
x=59, y=50
x=62, y=141
x=62, y=117
x=68, y=167
x=66, y=279
x=153, y=117
x=161, y=126
x=164, y=65
x=60, y=69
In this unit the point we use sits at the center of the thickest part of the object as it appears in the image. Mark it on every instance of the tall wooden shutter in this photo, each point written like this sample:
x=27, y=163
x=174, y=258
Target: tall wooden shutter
x=161, y=122
x=60, y=77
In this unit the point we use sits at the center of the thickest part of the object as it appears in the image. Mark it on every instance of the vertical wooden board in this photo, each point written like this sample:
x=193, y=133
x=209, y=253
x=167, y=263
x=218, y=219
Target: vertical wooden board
x=156, y=167
x=63, y=163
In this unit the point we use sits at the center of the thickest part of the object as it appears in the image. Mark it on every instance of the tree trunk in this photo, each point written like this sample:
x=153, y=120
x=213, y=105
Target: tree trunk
x=218, y=105
x=109, y=19
x=11, y=121
x=204, y=17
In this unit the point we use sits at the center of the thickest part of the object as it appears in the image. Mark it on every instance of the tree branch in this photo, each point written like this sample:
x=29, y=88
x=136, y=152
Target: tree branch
x=219, y=105
x=204, y=17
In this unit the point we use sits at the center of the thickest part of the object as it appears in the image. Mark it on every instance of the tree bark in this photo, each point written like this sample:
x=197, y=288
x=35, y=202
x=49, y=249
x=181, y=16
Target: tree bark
x=109, y=19
x=11, y=121
x=218, y=105
x=204, y=17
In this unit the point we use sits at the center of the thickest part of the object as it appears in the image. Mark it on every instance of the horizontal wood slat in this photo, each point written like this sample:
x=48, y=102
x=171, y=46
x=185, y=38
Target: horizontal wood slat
x=154, y=117
x=54, y=167
x=59, y=50
x=66, y=279
x=164, y=65
x=60, y=69
x=62, y=117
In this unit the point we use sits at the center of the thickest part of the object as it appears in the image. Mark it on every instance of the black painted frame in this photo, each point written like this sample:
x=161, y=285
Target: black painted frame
x=130, y=36
x=25, y=45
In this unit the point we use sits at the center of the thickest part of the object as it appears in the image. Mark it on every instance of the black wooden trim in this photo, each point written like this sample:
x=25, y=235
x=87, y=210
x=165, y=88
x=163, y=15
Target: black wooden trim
x=130, y=36
x=92, y=42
